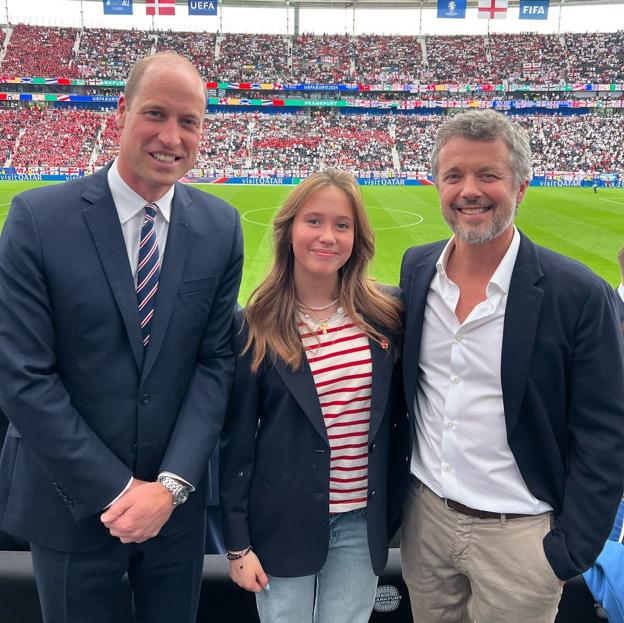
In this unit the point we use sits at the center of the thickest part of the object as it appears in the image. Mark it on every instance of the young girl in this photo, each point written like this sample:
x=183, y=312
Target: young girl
x=306, y=445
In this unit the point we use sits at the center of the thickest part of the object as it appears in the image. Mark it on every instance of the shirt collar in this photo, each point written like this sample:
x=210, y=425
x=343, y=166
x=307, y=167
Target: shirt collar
x=502, y=274
x=128, y=202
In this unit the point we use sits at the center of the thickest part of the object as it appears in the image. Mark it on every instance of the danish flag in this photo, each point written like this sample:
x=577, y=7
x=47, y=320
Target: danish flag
x=160, y=7
x=491, y=9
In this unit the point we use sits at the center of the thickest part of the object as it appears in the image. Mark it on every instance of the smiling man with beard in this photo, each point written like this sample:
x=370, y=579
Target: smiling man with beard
x=512, y=371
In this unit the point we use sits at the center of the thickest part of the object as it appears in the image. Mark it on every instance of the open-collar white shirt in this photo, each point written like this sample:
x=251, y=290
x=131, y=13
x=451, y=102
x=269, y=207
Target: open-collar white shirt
x=460, y=449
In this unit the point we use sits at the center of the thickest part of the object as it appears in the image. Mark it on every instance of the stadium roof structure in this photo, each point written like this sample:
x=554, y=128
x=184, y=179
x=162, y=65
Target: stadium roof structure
x=382, y=4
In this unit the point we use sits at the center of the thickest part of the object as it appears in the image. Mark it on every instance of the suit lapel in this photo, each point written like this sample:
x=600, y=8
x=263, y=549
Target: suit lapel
x=103, y=223
x=415, y=297
x=300, y=384
x=524, y=304
x=383, y=364
x=170, y=273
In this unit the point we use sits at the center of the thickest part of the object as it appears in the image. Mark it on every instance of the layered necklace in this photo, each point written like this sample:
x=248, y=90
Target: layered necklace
x=322, y=324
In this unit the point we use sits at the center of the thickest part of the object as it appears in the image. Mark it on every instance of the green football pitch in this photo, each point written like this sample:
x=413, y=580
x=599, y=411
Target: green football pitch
x=573, y=221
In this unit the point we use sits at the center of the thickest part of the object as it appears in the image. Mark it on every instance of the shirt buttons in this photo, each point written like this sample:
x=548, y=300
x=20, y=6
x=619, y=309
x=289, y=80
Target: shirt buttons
x=448, y=468
x=451, y=425
x=455, y=380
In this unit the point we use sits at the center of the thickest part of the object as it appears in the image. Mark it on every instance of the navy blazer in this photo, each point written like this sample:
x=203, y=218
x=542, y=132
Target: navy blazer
x=561, y=371
x=275, y=460
x=88, y=406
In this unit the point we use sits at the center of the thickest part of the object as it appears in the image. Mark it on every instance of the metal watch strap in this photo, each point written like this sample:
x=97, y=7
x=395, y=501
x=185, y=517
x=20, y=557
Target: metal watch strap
x=178, y=490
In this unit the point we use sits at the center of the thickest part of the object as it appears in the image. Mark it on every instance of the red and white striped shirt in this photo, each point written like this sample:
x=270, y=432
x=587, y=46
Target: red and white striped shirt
x=341, y=365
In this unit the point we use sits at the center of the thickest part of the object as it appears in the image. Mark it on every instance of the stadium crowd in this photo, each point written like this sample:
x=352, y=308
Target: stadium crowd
x=56, y=137
x=278, y=143
x=307, y=58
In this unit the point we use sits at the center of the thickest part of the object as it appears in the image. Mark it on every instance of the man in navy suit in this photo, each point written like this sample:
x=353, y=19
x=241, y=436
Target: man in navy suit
x=117, y=292
x=513, y=368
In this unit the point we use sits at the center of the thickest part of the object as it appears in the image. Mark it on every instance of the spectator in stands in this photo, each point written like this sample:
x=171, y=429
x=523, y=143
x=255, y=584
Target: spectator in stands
x=518, y=451
x=315, y=338
x=114, y=373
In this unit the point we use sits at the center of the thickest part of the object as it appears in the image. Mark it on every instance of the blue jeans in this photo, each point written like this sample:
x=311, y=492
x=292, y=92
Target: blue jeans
x=343, y=591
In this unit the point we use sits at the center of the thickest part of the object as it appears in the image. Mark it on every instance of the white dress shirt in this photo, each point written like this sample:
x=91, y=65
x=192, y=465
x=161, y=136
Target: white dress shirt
x=130, y=208
x=460, y=449
x=131, y=212
x=621, y=291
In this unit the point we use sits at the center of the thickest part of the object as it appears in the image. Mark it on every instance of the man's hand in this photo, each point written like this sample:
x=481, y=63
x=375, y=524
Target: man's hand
x=140, y=513
x=248, y=573
x=620, y=257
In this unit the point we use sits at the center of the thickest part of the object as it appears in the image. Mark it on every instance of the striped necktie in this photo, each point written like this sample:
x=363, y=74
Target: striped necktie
x=148, y=271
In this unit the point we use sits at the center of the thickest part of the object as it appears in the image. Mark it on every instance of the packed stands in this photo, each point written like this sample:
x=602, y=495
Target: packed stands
x=322, y=59
x=11, y=121
x=225, y=142
x=57, y=138
x=108, y=143
x=577, y=143
x=198, y=47
x=534, y=58
x=109, y=54
x=459, y=58
x=40, y=51
x=596, y=57
x=369, y=59
x=265, y=142
x=252, y=58
x=387, y=59
x=415, y=136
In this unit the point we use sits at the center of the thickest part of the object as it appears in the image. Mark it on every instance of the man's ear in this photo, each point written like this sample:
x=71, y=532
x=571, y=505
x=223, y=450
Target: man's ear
x=122, y=109
x=521, y=192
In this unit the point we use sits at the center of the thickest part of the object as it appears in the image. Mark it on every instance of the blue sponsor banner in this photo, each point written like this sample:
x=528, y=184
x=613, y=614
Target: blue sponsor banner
x=454, y=9
x=10, y=174
x=202, y=7
x=534, y=9
x=117, y=7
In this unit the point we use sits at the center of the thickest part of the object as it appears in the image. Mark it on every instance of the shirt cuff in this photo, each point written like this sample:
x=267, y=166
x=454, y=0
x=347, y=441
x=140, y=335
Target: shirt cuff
x=124, y=490
x=621, y=291
x=178, y=478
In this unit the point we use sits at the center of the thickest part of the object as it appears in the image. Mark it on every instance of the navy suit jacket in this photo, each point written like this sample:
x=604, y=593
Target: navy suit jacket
x=88, y=406
x=561, y=373
x=620, y=306
x=275, y=463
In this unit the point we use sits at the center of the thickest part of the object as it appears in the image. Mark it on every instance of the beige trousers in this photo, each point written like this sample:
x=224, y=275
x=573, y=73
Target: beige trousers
x=462, y=569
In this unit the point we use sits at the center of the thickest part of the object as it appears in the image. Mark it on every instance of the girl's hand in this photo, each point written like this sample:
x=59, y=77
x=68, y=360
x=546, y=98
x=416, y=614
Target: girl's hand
x=248, y=573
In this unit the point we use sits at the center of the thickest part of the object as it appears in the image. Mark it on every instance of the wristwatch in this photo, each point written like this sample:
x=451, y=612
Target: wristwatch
x=178, y=490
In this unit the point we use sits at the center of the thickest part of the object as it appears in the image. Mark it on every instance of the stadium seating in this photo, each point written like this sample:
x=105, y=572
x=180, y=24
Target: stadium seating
x=40, y=51
x=109, y=54
x=233, y=143
x=372, y=59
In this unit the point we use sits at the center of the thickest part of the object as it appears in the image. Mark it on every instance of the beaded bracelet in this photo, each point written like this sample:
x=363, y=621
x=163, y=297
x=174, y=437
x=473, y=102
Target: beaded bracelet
x=238, y=555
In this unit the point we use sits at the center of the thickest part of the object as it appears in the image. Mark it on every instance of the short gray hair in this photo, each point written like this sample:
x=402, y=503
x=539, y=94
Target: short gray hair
x=487, y=125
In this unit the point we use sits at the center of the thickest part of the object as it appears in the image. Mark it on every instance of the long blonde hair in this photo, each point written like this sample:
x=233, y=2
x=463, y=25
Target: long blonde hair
x=271, y=313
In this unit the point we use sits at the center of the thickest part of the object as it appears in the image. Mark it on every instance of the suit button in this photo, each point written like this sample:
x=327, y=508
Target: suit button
x=319, y=496
x=241, y=474
x=145, y=399
x=371, y=494
x=372, y=447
